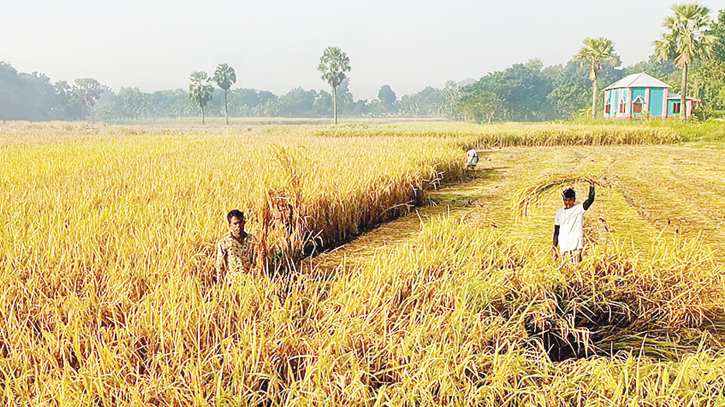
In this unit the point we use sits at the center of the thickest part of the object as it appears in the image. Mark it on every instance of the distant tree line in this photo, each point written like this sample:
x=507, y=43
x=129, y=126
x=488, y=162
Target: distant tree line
x=522, y=92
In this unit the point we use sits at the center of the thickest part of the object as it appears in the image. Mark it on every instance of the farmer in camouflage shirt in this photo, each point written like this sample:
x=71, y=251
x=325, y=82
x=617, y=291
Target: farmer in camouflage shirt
x=235, y=252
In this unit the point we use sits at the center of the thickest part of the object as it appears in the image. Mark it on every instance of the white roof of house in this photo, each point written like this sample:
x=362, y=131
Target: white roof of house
x=638, y=80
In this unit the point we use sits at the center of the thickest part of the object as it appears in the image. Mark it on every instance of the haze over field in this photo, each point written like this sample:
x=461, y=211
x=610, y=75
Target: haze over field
x=276, y=45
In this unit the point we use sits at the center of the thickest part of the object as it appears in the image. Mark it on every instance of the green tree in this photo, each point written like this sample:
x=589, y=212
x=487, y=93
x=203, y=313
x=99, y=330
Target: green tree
x=171, y=103
x=524, y=89
x=480, y=100
x=86, y=91
x=708, y=83
x=333, y=65
x=322, y=106
x=298, y=103
x=345, y=99
x=686, y=40
x=453, y=94
x=200, y=91
x=596, y=52
x=388, y=97
x=264, y=96
x=516, y=93
x=131, y=103
x=429, y=102
x=377, y=108
x=64, y=101
x=570, y=96
x=571, y=88
x=718, y=29
x=225, y=77
x=360, y=108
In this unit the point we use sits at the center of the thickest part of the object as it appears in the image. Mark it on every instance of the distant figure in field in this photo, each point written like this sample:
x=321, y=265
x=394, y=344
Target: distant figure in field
x=235, y=252
x=569, y=226
x=472, y=156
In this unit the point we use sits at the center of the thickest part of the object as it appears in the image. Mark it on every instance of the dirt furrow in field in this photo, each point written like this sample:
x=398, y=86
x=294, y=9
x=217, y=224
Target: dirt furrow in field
x=452, y=200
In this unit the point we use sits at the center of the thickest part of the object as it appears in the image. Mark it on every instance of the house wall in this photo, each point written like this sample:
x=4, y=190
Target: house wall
x=654, y=104
x=657, y=101
x=671, y=104
x=671, y=108
x=617, y=97
x=608, y=101
x=638, y=93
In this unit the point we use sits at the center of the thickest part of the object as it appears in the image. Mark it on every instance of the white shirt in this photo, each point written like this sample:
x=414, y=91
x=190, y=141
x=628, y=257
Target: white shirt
x=472, y=157
x=571, y=228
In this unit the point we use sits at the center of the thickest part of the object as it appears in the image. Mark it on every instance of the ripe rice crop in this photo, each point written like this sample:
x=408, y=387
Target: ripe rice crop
x=515, y=134
x=107, y=298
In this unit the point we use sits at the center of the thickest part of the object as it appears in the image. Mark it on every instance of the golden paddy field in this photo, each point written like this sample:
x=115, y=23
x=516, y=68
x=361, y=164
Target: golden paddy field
x=107, y=294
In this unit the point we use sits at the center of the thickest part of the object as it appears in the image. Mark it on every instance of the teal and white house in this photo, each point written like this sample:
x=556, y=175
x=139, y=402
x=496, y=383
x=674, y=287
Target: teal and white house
x=642, y=96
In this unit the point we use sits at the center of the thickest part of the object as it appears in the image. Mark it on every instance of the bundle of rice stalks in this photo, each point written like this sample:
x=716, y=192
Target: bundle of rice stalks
x=544, y=187
x=282, y=212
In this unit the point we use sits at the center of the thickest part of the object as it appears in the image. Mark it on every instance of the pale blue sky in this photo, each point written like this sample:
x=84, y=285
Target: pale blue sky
x=276, y=45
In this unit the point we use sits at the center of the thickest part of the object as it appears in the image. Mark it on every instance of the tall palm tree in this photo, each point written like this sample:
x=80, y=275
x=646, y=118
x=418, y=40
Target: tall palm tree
x=686, y=40
x=333, y=65
x=224, y=76
x=595, y=52
x=200, y=91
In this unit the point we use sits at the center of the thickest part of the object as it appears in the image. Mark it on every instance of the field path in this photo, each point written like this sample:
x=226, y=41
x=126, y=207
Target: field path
x=654, y=190
x=453, y=200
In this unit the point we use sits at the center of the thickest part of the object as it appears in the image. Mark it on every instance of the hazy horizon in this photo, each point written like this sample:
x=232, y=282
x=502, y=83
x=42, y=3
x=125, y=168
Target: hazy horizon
x=276, y=45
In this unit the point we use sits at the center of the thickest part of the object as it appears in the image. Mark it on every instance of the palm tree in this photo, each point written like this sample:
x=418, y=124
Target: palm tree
x=686, y=40
x=333, y=65
x=224, y=76
x=595, y=52
x=200, y=91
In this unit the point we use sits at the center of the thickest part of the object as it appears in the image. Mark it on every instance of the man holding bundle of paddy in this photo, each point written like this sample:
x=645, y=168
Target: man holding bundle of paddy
x=569, y=226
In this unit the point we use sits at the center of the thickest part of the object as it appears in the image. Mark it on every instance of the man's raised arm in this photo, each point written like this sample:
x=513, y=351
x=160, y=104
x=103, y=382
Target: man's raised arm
x=590, y=199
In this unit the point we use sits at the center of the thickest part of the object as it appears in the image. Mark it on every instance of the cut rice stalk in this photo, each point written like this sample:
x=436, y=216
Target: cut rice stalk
x=524, y=198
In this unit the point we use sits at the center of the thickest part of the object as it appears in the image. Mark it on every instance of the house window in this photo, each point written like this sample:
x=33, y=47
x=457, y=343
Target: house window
x=607, y=108
x=621, y=107
x=676, y=107
x=637, y=107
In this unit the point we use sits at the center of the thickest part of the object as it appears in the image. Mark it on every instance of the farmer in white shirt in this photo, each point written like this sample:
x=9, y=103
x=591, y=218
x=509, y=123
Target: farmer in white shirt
x=472, y=156
x=569, y=225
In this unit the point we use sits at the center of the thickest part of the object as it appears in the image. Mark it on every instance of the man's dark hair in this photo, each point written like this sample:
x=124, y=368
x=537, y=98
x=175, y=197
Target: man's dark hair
x=235, y=213
x=569, y=194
